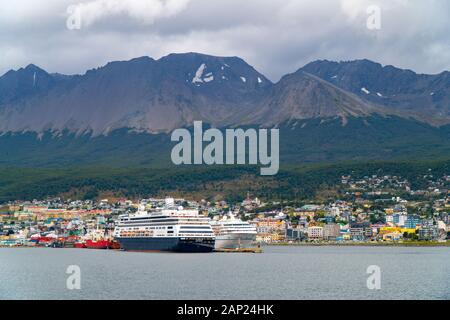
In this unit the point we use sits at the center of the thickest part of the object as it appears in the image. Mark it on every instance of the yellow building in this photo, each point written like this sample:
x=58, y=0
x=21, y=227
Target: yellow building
x=271, y=224
x=269, y=237
x=387, y=230
x=263, y=237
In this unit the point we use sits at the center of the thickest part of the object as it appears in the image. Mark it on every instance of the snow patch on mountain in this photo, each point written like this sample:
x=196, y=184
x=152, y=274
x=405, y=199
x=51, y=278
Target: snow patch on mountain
x=365, y=90
x=199, y=74
x=209, y=79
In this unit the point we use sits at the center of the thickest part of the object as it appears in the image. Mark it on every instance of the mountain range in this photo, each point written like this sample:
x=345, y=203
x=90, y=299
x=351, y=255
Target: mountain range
x=327, y=110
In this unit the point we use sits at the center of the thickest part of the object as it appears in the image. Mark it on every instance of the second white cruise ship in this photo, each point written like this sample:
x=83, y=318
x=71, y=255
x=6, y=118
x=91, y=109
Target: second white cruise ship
x=233, y=233
x=167, y=229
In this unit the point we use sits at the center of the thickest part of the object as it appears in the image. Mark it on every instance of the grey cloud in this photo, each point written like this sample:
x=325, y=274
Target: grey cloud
x=275, y=36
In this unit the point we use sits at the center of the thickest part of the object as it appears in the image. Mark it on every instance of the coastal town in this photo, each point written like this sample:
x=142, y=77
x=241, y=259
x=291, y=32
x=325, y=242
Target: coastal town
x=370, y=210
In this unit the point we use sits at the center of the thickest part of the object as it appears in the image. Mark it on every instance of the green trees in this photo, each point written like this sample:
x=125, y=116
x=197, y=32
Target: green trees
x=294, y=183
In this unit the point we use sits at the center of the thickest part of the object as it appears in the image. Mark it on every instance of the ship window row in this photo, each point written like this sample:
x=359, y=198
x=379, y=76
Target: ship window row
x=145, y=225
x=131, y=219
x=151, y=221
x=148, y=228
x=237, y=228
x=148, y=218
x=194, y=227
x=195, y=231
x=145, y=218
x=167, y=221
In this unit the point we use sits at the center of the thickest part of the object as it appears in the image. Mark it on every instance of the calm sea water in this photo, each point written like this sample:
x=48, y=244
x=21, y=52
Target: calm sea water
x=278, y=273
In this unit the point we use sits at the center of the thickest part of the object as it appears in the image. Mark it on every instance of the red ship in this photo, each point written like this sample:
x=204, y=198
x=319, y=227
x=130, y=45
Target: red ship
x=79, y=245
x=99, y=244
x=43, y=241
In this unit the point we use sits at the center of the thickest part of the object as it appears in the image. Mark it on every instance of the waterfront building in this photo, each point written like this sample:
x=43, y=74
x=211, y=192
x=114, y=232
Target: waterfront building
x=315, y=233
x=393, y=236
x=357, y=234
x=429, y=232
x=331, y=231
x=412, y=221
x=270, y=237
x=264, y=238
x=359, y=231
x=296, y=234
x=268, y=225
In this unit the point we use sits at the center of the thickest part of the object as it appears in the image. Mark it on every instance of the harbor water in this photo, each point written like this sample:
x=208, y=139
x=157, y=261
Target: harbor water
x=278, y=273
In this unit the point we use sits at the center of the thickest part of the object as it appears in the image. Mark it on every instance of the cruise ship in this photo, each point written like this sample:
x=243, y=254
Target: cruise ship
x=233, y=233
x=165, y=229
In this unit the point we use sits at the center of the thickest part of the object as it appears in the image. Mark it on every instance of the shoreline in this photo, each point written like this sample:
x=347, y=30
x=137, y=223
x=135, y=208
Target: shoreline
x=361, y=244
x=309, y=244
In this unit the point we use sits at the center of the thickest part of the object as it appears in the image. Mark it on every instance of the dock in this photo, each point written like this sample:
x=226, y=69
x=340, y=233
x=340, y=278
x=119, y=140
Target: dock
x=240, y=250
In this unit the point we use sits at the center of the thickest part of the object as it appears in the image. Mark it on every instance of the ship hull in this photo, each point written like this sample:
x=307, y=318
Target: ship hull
x=167, y=244
x=101, y=244
x=235, y=241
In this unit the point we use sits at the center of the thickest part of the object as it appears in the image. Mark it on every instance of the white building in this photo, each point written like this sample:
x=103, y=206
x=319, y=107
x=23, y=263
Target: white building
x=331, y=231
x=315, y=233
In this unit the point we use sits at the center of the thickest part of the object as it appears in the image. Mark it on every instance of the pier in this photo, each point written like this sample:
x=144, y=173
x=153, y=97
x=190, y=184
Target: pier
x=240, y=250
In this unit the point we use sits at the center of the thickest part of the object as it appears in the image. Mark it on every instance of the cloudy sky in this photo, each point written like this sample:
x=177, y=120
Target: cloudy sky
x=275, y=36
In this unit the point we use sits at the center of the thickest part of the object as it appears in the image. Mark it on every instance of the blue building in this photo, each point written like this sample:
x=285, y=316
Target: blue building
x=412, y=221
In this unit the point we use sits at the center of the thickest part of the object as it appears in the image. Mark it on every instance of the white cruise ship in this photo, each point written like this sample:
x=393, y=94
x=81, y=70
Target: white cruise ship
x=233, y=233
x=166, y=229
